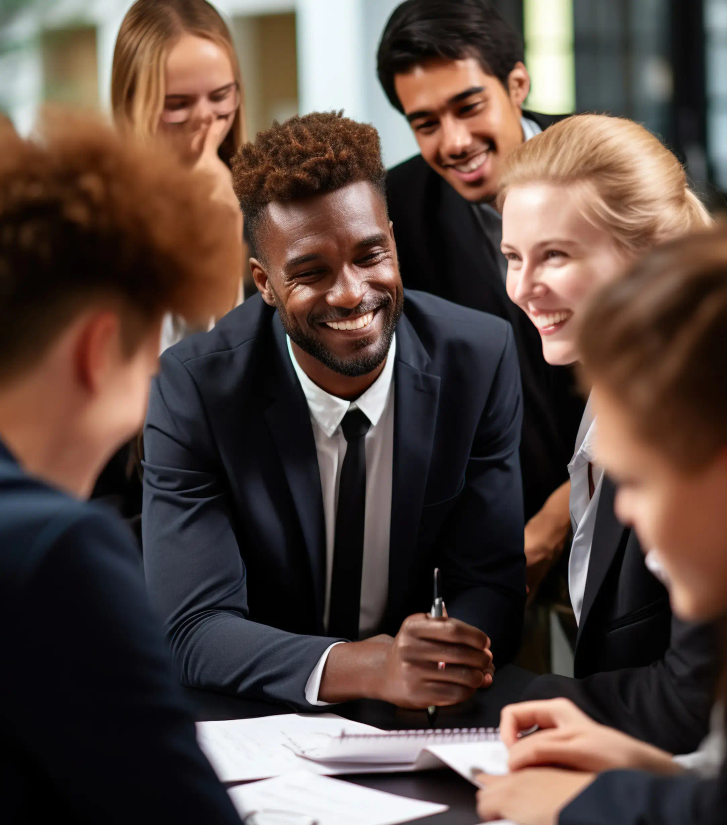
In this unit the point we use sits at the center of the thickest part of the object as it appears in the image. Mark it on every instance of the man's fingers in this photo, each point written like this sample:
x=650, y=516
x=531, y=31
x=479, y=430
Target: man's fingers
x=449, y=631
x=428, y=651
x=549, y=713
x=443, y=694
x=457, y=674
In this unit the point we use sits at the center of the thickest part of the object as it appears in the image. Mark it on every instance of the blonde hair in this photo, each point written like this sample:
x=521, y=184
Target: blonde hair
x=147, y=34
x=635, y=188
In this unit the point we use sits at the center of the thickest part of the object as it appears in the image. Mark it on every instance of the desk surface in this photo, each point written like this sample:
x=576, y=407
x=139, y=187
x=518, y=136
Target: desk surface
x=443, y=786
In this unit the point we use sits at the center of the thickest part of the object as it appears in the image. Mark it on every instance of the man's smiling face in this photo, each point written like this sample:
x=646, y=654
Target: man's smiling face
x=465, y=121
x=330, y=269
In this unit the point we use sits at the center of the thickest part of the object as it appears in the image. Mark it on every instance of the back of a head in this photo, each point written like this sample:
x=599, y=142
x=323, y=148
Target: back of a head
x=631, y=185
x=89, y=217
x=657, y=341
x=147, y=34
x=303, y=157
x=453, y=29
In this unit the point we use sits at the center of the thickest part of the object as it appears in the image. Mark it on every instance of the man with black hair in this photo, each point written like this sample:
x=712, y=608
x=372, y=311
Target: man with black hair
x=313, y=458
x=455, y=70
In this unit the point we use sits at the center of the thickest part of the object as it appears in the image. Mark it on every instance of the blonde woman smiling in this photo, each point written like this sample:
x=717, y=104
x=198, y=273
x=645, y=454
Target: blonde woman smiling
x=580, y=203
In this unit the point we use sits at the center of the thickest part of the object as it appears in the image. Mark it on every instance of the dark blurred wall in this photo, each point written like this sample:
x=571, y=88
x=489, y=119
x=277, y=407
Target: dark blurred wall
x=662, y=63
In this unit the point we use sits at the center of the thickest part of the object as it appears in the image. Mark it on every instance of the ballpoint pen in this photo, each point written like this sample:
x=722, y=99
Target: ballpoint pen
x=437, y=612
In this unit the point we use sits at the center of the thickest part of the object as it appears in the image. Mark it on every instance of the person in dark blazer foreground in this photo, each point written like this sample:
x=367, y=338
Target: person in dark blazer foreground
x=456, y=72
x=577, y=209
x=654, y=346
x=99, y=240
x=262, y=546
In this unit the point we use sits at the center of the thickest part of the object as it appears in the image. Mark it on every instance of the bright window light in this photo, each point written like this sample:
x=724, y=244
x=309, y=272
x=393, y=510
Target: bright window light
x=549, y=55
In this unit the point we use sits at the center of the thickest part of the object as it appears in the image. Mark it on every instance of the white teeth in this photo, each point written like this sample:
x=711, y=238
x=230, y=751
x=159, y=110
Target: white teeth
x=356, y=323
x=550, y=319
x=472, y=164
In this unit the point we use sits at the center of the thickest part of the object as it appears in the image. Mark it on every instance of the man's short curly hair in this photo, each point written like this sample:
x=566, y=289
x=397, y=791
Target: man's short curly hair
x=87, y=217
x=303, y=157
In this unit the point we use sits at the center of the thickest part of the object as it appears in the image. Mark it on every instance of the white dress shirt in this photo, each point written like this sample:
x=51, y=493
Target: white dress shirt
x=707, y=760
x=326, y=413
x=583, y=509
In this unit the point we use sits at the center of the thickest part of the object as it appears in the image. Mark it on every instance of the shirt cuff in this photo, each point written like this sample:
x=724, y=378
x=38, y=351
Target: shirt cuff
x=699, y=763
x=313, y=685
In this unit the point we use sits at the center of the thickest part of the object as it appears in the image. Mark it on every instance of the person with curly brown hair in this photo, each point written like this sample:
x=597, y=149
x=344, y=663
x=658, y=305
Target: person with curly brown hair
x=313, y=458
x=98, y=240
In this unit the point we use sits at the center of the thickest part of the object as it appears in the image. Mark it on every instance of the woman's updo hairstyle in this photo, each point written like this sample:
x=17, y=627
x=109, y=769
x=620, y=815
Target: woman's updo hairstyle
x=632, y=186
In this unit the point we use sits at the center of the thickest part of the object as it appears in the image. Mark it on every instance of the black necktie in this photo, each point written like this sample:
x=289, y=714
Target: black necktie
x=349, y=542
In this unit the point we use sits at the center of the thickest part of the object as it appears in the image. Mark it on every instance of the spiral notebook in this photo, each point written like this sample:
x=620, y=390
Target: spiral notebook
x=469, y=751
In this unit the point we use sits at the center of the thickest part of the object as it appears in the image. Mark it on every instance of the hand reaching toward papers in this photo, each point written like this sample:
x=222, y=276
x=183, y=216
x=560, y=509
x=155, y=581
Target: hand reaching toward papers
x=531, y=797
x=533, y=794
x=405, y=670
x=570, y=739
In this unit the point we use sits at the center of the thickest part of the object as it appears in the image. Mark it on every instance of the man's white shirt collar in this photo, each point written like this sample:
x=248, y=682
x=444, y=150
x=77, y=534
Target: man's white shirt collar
x=530, y=128
x=328, y=410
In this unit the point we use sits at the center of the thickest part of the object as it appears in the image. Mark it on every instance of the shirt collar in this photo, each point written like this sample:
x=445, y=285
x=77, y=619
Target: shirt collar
x=585, y=439
x=530, y=128
x=328, y=410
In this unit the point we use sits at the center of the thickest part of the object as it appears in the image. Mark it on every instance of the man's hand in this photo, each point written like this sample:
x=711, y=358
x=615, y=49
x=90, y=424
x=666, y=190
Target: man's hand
x=545, y=536
x=406, y=670
x=531, y=797
x=570, y=739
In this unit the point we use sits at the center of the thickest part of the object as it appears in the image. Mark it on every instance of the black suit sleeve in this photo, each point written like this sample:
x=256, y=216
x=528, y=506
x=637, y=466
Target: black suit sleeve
x=637, y=798
x=195, y=568
x=667, y=703
x=95, y=708
x=483, y=560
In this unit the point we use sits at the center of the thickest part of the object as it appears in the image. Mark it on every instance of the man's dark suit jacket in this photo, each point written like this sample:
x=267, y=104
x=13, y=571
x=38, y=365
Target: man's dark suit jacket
x=442, y=250
x=638, y=798
x=92, y=724
x=233, y=526
x=637, y=667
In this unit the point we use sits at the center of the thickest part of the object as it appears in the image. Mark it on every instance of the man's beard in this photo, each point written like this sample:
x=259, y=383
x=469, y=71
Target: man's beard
x=353, y=366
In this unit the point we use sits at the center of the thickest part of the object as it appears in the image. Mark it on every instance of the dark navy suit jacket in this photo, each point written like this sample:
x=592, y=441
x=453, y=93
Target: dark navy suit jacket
x=442, y=250
x=233, y=527
x=638, y=798
x=92, y=724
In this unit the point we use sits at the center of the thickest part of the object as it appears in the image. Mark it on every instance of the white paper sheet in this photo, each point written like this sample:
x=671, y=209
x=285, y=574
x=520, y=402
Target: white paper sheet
x=329, y=801
x=382, y=754
x=243, y=749
x=472, y=758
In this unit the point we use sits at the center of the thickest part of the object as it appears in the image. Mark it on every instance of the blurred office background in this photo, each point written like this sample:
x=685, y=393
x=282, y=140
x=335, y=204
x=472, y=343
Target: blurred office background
x=662, y=62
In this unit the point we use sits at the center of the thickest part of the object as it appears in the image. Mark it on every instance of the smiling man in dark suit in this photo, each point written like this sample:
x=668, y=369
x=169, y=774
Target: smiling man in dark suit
x=456, y=72
x=312, y=459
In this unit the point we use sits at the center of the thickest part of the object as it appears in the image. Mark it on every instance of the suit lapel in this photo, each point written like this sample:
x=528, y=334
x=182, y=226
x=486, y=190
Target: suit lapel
x=607, y=536
x=416, y=394
x=469, y=257
x=288, y=420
